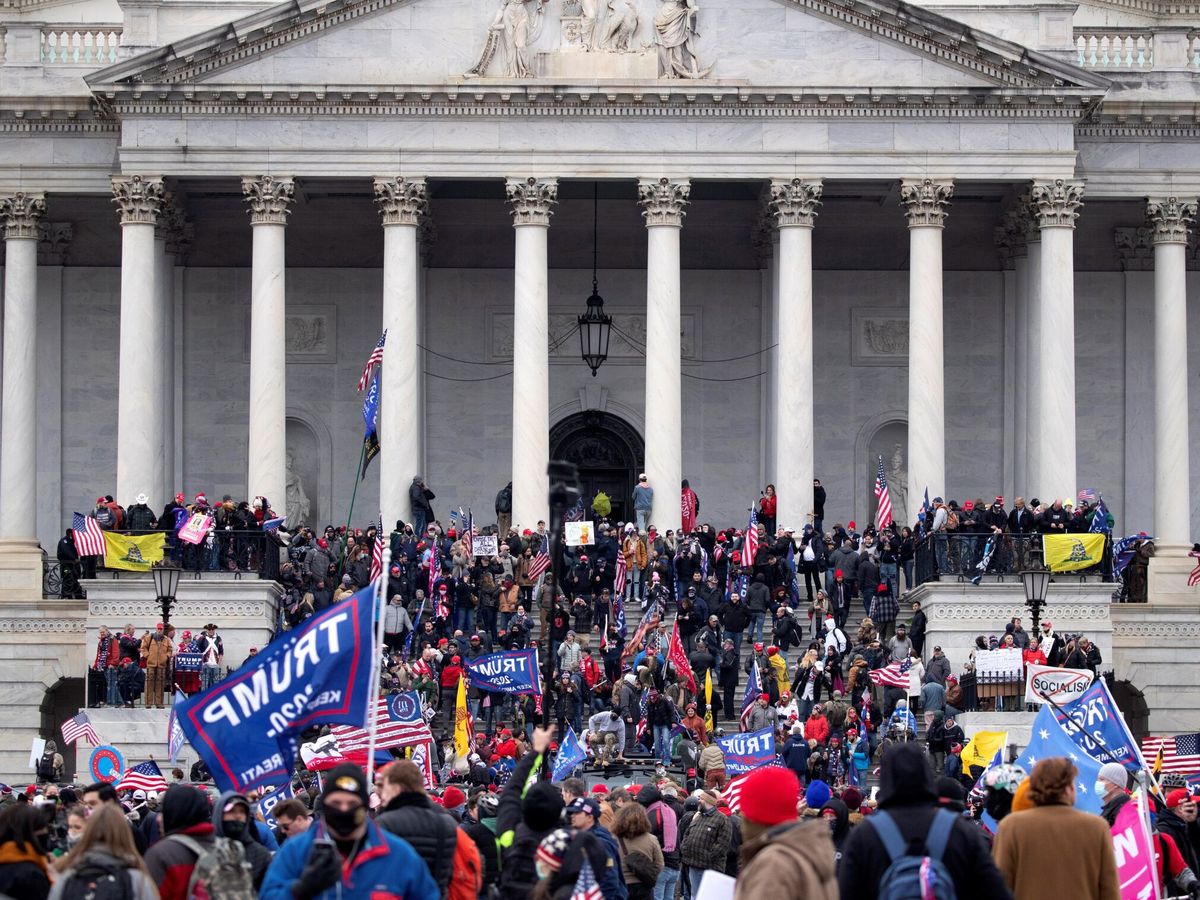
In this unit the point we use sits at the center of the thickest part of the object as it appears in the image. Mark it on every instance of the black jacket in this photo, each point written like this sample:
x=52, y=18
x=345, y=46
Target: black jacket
x=429, y=829
x=907, y=793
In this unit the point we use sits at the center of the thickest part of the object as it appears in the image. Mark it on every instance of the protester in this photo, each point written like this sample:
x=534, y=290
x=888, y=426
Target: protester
x=24, y=844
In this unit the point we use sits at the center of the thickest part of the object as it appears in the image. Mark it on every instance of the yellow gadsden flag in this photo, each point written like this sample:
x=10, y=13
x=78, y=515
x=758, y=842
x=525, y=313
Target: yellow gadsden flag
x=1071, y=552
x=981, y=749
x=133, y=553
x=462, y=721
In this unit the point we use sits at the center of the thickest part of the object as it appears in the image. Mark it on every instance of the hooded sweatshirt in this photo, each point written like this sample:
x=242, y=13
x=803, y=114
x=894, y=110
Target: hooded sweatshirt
x=664, y=824
x=185, y=811
x=257, y=855
x=794, y=859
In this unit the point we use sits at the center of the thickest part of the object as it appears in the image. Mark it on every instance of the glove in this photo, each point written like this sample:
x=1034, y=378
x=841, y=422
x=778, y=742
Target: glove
x=322, y=871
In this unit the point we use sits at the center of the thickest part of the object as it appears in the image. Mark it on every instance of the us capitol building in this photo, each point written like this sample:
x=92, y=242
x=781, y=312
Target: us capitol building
x=957, y=236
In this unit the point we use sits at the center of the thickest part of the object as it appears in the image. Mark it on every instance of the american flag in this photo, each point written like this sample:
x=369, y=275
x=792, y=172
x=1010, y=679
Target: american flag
x=541, y=562
x=883, y=513
x=89, y=539
x=750, y=544
x=643, y=708
x=400, y=722
x=1087, y=495
x=468, y=538
x=650, y=620
x=1194, y=577
x=575, y=513
x=732, y=795
x=375, y=359
x=434, y=566
x=377, y=558
x=80, y=726
x=753, y=692
x=894, y=675
x=619, y=578
x=1180, y=754
x=586, y=886
x=145, y=777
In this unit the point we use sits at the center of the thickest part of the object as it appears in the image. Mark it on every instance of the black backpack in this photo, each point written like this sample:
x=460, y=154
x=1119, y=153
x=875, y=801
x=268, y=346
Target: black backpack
x=97, y=879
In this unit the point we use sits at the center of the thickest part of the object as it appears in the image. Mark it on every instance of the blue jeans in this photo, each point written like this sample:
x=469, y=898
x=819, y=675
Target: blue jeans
x=664, y=888
x=642, y=516
x=908, y=575
x=110, y=682
x=695, y=876
x=736, y=637
x=890, y=573
x=662, y=743
x=756, y=625
x=940, y=546
x=463, y=616
x=209, y=675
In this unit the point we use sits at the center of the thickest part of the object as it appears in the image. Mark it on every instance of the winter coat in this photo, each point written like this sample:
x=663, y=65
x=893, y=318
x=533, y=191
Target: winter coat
x=427, y=828
x=23, y=872
x=140, y=517
x=706, y=846
x=396, y=619
x=795, y=859
x=663, y=820
x=734, y=616
x=143, y=887
x=1028, y=851
x=156, y=653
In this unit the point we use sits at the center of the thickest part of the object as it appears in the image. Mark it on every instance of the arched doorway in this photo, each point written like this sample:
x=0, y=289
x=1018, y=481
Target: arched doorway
x=609, y=453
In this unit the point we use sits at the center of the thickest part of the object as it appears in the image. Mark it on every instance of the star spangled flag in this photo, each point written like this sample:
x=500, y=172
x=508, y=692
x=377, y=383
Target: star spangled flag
x=377, y=559
x=1100, y=518
x=753, y=692
x=1180, y=754
x=677, y=657
x=146, y=776
x=750, y=544
x=732, y=795
x=175, y=735
x=576, y=513
x=275, y=524
x=586, y=886
x=619, y=577
x=541, y=561
x=650, y=620
x=643, y=707
x=883, y=512
x=375, y=359
x=1047, y=739
x=1087, y=495
x=80, y=726
x=89, y=538
x=570, y=755
x=400, y=724
x=894, y=675
x=1194, y=576
x=468, y=538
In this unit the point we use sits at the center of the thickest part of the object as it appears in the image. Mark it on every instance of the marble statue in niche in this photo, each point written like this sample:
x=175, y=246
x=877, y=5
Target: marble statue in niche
x=897, y=476
x=298, y=505
x=675, y=37
x=889, y=442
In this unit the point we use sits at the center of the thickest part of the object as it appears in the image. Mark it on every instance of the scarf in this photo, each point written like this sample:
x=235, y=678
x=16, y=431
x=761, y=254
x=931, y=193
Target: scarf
x=669, y=824
x=11, y=853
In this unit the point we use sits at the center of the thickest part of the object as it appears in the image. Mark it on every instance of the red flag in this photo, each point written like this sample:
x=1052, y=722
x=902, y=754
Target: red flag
x=679, y=661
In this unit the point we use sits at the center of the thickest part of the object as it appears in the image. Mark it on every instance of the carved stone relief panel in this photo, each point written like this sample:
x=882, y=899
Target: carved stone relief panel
x=310, y=334
x=878, y=336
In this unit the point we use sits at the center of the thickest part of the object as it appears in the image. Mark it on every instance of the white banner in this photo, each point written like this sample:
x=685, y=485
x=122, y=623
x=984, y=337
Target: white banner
x=484, y=545
x=1060, y=685
x=579, y=534
x=997, y=663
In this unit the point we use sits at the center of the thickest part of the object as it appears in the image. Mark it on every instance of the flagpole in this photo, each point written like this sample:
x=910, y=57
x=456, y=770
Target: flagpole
x=376, y=666
x=350, y=513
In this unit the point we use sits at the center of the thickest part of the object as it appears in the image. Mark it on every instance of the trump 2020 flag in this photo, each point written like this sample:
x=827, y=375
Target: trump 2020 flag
x=511, y=672
x=245, y=727
x=1095, y=725
x=272, y=799
x=1049, y=738
x=746, y=751
x=175, y=738
x=570, y=755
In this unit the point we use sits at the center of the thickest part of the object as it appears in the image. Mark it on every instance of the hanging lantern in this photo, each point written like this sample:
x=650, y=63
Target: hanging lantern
x=594, y=330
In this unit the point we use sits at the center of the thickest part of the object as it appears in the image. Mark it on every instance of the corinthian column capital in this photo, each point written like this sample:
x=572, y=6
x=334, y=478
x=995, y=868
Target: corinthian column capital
x=532, y=199
x=925, y=201
x=1170, y=219
x=139, y=198
x=795, y=202
x=401, y=201
x=1056, y=203
x=20, y=215
x=269, y=198
x=663, y=200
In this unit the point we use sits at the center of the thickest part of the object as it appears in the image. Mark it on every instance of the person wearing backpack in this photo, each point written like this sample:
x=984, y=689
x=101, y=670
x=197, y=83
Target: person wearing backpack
x=233, y=819
x=189, y=835
x=105, y=864
x=884, y=855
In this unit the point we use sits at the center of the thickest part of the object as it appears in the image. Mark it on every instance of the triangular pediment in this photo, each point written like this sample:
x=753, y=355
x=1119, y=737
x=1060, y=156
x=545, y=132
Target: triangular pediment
x=417, y=44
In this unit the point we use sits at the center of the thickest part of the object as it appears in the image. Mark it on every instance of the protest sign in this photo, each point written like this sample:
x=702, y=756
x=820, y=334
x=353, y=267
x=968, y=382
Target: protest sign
x=511, y=672
x=996, y=664
x=245, y=727
x=188, y=662
x=106, y=764
x=195, y=528
x=486, y=545
x=1134, y=851
x=745, y=751
x=1060, y=685
x=579, y=534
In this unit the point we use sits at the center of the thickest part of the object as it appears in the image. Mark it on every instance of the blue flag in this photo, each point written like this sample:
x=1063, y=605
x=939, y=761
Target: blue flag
x=511, y=672
x=370, y=412
x=1094, y=724
x=175, y=739
x=1048, y=739
x=753, y=692
x=245, y=727
x=570, y=755
x=1100, y=518
x=746, y=751
x=270, y=800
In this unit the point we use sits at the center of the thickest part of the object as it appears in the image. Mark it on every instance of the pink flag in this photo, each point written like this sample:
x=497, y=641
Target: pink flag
x=194, y=530
x=1136, y=871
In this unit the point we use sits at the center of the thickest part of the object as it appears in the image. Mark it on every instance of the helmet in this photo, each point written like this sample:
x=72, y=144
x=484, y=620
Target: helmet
x=488, y=805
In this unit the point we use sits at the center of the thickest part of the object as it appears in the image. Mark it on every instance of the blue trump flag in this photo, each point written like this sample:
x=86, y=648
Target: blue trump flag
x=511, y=672
x=746, y=751
x=245, y=727
x=1094, y=724
x=270, y=800
x=370, y=412
x=1049, y=738
x=570, y=755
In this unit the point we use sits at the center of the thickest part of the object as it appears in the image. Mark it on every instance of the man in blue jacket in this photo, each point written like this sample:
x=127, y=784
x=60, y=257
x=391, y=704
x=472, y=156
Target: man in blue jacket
x=584, y=813
x=347, y=856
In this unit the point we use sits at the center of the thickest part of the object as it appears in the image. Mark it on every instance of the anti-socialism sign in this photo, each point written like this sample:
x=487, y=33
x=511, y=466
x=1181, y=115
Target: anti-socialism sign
x=1060, y=685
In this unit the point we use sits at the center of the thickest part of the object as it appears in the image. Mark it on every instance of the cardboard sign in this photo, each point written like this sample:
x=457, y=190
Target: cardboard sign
x=106, y=764
x=999, y=663
x=485, y=545
x=580, y=534
x=1060, y=685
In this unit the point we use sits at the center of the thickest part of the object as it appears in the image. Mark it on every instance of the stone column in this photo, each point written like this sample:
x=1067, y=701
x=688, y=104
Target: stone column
x=1033, y=332
x=20, y=215
x=1056, y=206
x=179, y=233
x=663, y=201
x=402, y=202
x=269, y=199
x=794, y=204
x=1170, y=219
x=139, y=385
x=532, y=201
x=1010, y=236
x=925, y=204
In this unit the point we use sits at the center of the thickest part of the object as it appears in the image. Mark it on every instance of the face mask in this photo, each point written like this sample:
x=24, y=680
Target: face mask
x=73, y=839
x=343, y=822
x=1100, y=788
x=234, y=829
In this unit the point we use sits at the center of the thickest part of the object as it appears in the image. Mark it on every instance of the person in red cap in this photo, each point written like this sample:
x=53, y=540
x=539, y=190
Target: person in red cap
x=782, y=856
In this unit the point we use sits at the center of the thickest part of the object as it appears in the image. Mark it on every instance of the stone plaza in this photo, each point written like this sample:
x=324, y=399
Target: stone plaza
x=958, y=236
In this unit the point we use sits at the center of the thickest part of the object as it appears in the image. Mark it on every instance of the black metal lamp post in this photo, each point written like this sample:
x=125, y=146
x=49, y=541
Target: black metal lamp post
x=1037, y=584
x=564, y=491
x=595, y=327
x=166, y=583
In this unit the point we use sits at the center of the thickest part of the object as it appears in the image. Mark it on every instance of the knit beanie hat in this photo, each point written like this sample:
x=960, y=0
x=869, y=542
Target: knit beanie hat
x=553, y=848
x=453, y=799
x=542, y=806
x=769, y=795
x=853, y=798
x=817, y=795
x=1114, y=773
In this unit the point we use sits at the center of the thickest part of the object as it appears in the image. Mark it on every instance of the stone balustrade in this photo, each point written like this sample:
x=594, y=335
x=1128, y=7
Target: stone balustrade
x=80, y=45
x=1115, y=50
